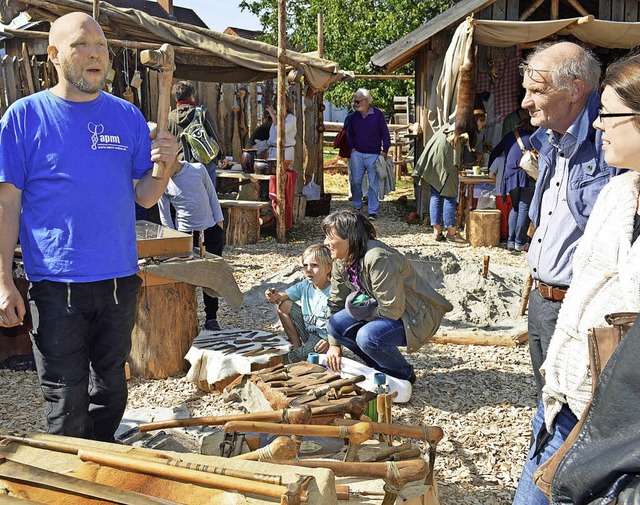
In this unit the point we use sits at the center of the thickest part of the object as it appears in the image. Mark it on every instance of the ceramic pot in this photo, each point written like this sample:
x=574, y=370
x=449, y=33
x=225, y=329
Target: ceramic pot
x=260, y=166
x=272, y=165
x=247, y=160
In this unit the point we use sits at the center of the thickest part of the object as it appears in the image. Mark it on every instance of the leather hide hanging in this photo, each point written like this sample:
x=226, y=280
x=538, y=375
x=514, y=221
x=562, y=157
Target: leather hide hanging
x=465, y=100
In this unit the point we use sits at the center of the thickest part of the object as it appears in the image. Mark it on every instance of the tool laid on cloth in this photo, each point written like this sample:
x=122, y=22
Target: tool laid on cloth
x=430, y=434
x=395, y=475
x=282, y=448
x=162, y=61
x=73, y=449
x=20, y=472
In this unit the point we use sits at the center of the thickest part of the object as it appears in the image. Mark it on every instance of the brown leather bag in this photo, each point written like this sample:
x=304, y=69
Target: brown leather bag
x=602, y=342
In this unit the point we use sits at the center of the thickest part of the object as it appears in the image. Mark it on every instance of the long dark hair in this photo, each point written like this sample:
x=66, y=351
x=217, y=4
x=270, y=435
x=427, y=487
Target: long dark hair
x=352, y=226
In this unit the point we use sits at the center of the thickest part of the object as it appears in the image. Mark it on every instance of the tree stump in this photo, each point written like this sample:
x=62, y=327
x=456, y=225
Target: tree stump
x=166, y=324
x=242, y=221
x=484, y=227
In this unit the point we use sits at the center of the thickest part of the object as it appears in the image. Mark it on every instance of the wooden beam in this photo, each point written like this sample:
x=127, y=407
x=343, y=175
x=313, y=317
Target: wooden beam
x=578, y=7
x=555, y=9
x=532, y=8
x=96, y=10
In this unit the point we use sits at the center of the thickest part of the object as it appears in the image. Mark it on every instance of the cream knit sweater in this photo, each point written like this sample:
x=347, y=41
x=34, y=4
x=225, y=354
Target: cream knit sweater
x=606, y=279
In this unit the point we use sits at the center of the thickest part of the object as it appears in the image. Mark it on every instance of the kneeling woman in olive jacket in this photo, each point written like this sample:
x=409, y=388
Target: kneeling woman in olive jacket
x=377, y=301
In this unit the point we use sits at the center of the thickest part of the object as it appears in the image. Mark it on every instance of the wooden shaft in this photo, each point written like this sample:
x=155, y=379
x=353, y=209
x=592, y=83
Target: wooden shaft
x=431, y=434
x=162, y=60
x=281, y=448
x=355, y=433
x=160, y=470
x=410, y=471
x=355, y=408
x=276, y=415
x=390, y=451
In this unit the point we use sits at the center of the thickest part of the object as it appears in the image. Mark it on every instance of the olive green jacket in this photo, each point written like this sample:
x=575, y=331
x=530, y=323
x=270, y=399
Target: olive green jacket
x=386, y=275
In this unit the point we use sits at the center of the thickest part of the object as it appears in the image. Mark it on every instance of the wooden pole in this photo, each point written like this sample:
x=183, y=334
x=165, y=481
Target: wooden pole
x=282, y=113
x=319, y=99
x=96, y=9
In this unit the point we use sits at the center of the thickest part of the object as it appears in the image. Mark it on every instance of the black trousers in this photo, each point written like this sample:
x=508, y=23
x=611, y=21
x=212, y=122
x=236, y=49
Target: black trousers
x=543, y=315
x=214, y=243
x=81, y=341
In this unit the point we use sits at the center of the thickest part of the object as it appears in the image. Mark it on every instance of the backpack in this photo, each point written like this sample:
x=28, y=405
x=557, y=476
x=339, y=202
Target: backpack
x=203, y=147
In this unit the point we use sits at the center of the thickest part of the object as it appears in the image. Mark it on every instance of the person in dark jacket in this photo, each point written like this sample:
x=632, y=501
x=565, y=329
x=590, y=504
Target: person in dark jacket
x=517, y=184
x=180, y=117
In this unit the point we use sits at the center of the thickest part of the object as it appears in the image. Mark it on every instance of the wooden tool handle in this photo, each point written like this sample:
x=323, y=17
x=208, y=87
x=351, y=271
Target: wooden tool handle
x=355, y=408
x=276, y=415
x=410, y=471
x=432, y=434
x=356, y=433
x=282, y=448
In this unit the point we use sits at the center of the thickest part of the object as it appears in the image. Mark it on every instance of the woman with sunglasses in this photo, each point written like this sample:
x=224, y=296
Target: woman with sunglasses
x=606, y=279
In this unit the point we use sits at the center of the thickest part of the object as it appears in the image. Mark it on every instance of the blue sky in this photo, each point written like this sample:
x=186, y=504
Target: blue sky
x=219, y=14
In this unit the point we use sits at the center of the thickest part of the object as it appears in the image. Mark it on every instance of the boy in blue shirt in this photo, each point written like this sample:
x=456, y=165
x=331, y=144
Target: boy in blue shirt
x=302, y=308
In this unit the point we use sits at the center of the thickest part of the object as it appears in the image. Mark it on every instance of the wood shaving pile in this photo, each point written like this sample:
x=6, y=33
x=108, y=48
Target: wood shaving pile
x=482, y=397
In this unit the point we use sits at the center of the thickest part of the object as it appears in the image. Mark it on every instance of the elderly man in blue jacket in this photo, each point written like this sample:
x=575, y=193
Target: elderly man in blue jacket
x=560, y=81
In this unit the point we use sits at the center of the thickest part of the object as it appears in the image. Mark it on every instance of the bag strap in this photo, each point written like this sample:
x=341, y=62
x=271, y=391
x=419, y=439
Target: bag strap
x=520, y=143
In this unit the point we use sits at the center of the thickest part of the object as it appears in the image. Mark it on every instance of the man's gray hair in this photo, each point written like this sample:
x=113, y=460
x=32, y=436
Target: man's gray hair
x=567, y=67
x=365, y=93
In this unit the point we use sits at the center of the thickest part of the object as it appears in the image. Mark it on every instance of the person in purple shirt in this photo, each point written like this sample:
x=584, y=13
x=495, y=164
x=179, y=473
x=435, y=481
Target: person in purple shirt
x=368, y=138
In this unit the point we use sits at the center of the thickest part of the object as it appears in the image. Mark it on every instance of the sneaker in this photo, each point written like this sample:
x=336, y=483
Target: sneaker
x=212, y=325
x=511, y=246
x=521, y=248
x=456, y=238
x=373, y=217
x=412, y=378
x=438, y=236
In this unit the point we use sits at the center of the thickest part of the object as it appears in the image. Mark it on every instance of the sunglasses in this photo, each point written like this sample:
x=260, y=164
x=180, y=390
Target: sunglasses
x=358, y=101
x=604, y=115
x=532, y=73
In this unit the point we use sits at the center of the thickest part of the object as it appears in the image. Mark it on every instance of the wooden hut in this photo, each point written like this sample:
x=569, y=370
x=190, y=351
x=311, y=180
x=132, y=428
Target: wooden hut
x=503, y=31
x=231, y=64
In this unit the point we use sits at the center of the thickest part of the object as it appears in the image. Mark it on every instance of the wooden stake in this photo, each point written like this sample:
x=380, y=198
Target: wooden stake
x=282, y=113
x=485, y=269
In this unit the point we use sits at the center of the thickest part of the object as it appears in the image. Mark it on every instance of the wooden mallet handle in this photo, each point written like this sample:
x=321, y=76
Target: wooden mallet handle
x=356, y=433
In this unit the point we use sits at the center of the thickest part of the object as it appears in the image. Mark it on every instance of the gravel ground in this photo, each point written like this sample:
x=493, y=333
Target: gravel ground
x=482, y=397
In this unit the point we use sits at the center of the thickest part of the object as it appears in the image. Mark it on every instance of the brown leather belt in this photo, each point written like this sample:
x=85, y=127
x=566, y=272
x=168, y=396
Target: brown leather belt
x=554, y=293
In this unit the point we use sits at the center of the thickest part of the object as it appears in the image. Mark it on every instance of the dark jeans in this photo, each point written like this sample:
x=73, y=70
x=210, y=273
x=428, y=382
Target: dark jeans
x=375, y=342
x=80, y=344
x=543, y=315
x=214, y=243
x=519, y=214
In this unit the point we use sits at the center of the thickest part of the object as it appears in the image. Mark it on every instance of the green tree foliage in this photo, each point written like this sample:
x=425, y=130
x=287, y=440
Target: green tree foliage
x=354, y=30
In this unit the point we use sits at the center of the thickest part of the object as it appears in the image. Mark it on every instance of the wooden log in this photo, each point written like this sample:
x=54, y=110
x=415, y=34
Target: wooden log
x=484, y=227
x=299, y=207
x=242, y=221
x=477, y=338
x=166, y=324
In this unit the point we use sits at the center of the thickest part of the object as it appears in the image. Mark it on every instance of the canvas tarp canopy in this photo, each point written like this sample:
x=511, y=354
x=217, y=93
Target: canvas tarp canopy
x=217, y=57
x=609, y=34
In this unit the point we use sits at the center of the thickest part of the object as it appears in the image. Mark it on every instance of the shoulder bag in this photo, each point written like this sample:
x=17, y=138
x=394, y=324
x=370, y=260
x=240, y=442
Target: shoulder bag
x=529, y=160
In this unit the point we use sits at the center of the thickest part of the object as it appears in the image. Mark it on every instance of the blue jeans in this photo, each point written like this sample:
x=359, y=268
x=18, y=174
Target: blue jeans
x=519, y=215
x=81, y=341
x=375, y=342
x=528, y=493
x=442, y=205
x=361, y=163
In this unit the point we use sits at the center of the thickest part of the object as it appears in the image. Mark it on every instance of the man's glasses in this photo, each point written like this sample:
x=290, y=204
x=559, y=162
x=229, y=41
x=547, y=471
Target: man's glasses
x=358, y=101
x=532, y=73
x=604, y=115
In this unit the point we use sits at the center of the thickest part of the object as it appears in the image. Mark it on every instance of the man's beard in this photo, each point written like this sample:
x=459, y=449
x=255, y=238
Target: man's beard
x=77, y=79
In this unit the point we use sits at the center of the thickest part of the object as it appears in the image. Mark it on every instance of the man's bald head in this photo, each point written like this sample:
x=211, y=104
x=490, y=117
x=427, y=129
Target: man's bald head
x=78, y=49
x=64, y=25
x=567, y=61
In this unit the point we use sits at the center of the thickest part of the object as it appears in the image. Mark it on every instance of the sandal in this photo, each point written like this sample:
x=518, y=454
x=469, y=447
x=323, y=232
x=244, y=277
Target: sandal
x=438, y=236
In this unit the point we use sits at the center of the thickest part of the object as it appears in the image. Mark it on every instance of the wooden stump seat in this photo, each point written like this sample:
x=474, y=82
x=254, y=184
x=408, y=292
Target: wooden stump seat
x=242, y=221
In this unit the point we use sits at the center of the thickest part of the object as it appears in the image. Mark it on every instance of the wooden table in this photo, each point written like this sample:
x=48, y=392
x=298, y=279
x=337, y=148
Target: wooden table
x=465, y=198
x=250, y=181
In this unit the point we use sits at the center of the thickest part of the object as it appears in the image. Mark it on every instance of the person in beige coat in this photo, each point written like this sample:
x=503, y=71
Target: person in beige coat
x=377, y=300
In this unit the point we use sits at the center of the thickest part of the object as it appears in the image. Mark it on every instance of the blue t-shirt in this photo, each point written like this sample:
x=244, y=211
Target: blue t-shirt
x=75, y=163
x=313, y=302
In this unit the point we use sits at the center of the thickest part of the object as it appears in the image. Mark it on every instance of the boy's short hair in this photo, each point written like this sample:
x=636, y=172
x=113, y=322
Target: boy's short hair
x=320, y=252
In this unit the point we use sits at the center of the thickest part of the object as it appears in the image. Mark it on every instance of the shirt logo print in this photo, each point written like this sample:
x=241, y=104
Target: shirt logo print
x=95, y=129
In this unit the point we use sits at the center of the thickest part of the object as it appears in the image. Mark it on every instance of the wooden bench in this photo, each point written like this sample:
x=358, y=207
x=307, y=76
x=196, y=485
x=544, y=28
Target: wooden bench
x=242, y=221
